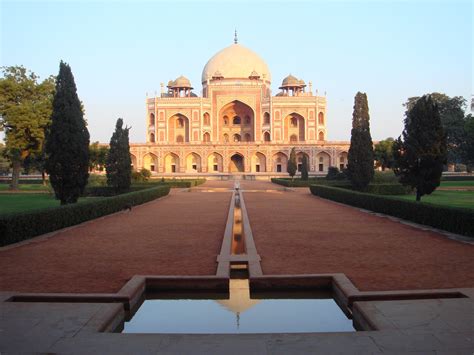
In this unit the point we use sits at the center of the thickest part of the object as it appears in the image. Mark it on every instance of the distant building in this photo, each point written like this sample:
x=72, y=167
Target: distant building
x=237, y=126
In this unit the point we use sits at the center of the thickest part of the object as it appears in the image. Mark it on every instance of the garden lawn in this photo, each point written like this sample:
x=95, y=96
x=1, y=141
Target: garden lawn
x=463, y=199
x=457, y=183
x=26, y=187
x=21, y=202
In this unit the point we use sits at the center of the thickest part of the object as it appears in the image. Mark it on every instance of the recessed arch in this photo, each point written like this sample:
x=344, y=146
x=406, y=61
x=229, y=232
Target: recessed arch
x=215, y=163
x=321, y=118
x=193, y=163
x=150, y=162
x=280, y=161
x=171, y=161
x=178, y=125
x=236, y=163
x=152, y=119
x=259, y=163
x=206, y=119
x=236, y=117
x=299, y=160
x=320, y=136
x=152, y=138
x=266, y=118
x=294, y=126
x=133, y=159
x=266, y=136
x=342, y=160
x=323, y=162
x=206, y=137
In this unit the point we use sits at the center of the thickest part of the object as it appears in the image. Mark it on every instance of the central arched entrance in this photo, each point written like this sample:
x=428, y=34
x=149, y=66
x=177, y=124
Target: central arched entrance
x=236, y=164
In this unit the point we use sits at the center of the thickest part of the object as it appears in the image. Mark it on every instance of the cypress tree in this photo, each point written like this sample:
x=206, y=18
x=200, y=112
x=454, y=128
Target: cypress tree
x=421, y=155
x=291, y=166
x=304, y=168
x=360, y=166
x=67, y=141
x=119, y=164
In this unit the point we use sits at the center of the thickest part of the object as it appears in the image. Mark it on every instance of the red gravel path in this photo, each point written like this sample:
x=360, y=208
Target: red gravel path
x=177, y=235
x=297, y=233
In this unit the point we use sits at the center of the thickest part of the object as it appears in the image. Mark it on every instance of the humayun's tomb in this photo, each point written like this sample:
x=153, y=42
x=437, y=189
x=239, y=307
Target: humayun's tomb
x=237, y=127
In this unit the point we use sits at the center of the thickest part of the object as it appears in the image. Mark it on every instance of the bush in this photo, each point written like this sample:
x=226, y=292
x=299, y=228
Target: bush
x=388, y=189
x=306, y=183
x=16, y=227
x=385, y=177
x=335, y=174
x=141, y=176
x=457, y=178
x=456, y=220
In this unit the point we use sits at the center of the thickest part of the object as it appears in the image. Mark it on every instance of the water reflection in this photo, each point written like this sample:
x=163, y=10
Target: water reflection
x=238, y=244
x=240, y=314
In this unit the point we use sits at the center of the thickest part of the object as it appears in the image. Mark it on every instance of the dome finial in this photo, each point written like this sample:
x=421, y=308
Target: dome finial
x=235, y=36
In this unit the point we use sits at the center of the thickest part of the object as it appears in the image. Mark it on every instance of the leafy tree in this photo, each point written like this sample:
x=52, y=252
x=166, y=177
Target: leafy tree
x=467, y=147
x=453, y=120
x=67, y=142
x=25, y=111
x=360, y=166
x=291, y=166
x=383, y=153
x=4, y=162
x=119, y=164
x=420, y=156
x=304, y=168
x=97, y=156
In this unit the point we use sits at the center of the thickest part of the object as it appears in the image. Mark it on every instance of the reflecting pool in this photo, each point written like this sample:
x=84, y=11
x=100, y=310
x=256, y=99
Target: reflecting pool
x=241, y=313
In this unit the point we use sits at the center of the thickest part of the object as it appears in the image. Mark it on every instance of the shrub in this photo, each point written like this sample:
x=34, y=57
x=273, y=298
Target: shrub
x=141, y=176
x=385, y=177
x=335, y=174
x=16, y=227
x=456, y=220
x=302, y=183
x=457, y=178
x=388, y=189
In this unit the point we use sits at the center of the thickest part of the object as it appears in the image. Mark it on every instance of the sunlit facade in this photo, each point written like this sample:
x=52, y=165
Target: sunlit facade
x=236, y=126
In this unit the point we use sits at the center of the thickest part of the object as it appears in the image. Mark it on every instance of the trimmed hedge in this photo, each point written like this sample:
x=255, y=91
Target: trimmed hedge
x=22, y=181
x=388, y=189
x=16, y=227
x=378, y=189
x=452, y=219
x=307, y=183
x=457, y=178
x=108, y=191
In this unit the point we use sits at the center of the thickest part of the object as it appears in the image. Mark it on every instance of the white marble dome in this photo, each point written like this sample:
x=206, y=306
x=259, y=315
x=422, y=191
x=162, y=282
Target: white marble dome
x=236, y=62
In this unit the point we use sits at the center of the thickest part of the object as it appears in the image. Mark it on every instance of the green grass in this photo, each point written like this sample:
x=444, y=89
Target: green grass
x=26, y=187
x=463, y=199
x=10, y=203
x=466, y=183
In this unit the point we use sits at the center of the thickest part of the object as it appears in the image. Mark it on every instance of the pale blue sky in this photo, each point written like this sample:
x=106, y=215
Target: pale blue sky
x=119, y=50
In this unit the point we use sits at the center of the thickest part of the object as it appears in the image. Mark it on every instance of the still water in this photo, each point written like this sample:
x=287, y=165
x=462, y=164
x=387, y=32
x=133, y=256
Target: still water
x=240, y=314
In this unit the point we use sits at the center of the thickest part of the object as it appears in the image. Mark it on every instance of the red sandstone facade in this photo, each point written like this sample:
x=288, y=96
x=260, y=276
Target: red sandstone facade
x=237, y=126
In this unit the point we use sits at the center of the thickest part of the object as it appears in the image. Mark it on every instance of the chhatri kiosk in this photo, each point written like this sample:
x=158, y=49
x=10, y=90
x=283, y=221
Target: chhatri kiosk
x=237, y=127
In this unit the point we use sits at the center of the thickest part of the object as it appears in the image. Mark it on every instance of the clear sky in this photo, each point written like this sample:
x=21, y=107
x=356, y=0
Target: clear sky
x=120, y=50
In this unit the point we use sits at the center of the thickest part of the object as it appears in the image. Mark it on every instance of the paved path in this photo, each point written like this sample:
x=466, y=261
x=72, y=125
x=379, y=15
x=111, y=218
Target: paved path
x=298, y=233
x=177, y=235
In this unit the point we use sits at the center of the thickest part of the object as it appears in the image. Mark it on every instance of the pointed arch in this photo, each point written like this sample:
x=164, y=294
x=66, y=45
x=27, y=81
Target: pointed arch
x=237, y=163
x=193, y=163
x=150, y=162
x=323, y=161
x=266, y=136
x=215, y=163
x=178, y=125
x=258, y=162
x=133, y=159
x=171, y=162
x=280, y=161
x=236, y=117
x=320, y=136
x=294, y=127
